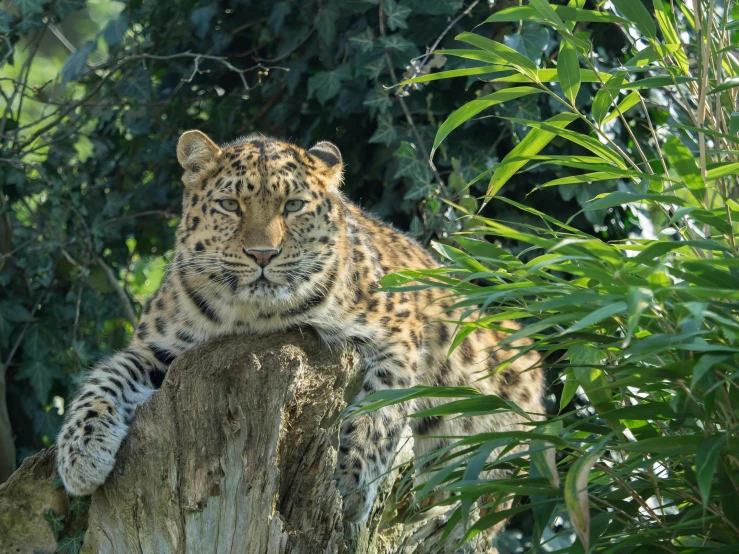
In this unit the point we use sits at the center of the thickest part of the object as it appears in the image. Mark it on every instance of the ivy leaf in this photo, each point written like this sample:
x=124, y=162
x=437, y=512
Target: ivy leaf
x=5, y=19
x=327, y=84
x=377, y=99
x=40, y=374
x=13, y=310
x=36, y=343
x=30, y=22
x=437, y=7
x=79, y=506
x=56, y=522
x=62, y=8
x=530, y=42
x=115, y=30
x=397, y=43
x=326, y=22
x=46, y=422
x=30, y=7
x=137, y=86
x=413, y=166
x=364, y=41
x=72, y=544
x=76, y=62
x=277, y=16
x=396, y=15
x=200, y=19
x=385, y=133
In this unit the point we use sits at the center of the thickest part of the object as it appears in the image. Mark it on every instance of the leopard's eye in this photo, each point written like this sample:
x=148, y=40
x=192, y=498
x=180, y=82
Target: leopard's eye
x=294, y=205
x=229, y=205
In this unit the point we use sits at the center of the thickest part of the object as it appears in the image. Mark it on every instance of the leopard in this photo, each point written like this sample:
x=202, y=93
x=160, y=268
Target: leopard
x=266, y=242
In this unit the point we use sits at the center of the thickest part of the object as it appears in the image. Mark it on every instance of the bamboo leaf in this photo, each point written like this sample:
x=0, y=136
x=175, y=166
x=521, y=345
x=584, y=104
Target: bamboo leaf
x=576, y=498
x=631, y=100
x=566, y=13
x=522, y=63
x=568, y=71
x=635, y=12
x=681, y=160
x=471, y=109
x=532, y=144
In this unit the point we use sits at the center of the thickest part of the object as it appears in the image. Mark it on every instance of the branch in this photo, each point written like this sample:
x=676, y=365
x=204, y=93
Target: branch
x=113, y=280
x=406, y=112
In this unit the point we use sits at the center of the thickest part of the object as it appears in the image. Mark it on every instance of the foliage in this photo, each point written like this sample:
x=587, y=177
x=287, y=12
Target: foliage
x=642, y=331
x=95, y=95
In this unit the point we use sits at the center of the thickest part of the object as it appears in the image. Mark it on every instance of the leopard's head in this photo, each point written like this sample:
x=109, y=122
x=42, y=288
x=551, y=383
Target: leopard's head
x=261, y=217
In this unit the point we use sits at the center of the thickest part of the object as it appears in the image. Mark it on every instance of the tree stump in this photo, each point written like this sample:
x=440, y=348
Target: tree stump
x=236, y=454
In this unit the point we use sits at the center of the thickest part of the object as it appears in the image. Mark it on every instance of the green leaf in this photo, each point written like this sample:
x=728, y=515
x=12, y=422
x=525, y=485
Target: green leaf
x=568, y=71
x=635, y=12
x=585, y=141
x=670, y=34
x=6, y=18
x=681, y=160
x=706, y=460
x=544, y=455
x=730, y=82
x=115, y=30
x=613, y=199
x=531, y=41
x=41, y=375
x=566, y=13
x=62, y=8
x=522, y=63
x=471, y=109
x=466, y=72
x=72, y=544
x=328, y=13
x=576, y=497
x=30, y=7
x=532, y=144
x=385, y=133
x=76, y=62
x=327, y=84
x=629, y=101
x=568, y=391
x=591, y=379
x=605, y=96
x=669, y=445
x=596, y=316
x=277, y=15
x=56, y=522
x=651, y=54
x=396, y=14
x=722, y=170
x=658, y=82
x=364, y=41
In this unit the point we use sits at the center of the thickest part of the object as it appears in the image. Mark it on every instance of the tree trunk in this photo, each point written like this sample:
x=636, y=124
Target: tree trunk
x=236, y=454
x=7, y=446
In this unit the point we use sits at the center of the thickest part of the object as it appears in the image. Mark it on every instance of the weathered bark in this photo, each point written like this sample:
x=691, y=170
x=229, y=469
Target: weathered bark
x=7, y=446
x=235, y=454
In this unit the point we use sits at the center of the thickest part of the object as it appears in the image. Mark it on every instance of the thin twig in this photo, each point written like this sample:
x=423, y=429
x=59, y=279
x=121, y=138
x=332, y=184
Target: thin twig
x=434, y=46
x=163, y=213
x=113, y=280
x=408, y=117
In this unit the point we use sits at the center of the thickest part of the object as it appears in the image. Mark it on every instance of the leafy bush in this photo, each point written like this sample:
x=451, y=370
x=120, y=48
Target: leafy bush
x=642, y=332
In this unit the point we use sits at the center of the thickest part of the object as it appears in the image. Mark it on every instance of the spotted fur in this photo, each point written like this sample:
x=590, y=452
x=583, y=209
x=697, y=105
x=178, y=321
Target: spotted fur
x=267, y=242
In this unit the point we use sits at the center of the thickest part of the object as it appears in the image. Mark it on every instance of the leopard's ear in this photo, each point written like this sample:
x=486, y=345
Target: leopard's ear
x=197, y=155
x=329, y=156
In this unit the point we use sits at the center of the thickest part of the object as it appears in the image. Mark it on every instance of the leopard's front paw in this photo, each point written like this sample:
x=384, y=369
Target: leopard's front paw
x=86, y=451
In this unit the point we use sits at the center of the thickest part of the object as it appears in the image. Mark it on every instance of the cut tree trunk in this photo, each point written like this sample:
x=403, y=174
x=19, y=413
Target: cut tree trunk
x=235, y=454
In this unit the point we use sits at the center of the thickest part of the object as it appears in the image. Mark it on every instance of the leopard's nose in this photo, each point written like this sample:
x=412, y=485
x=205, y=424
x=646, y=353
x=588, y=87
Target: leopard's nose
x=262, y=257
